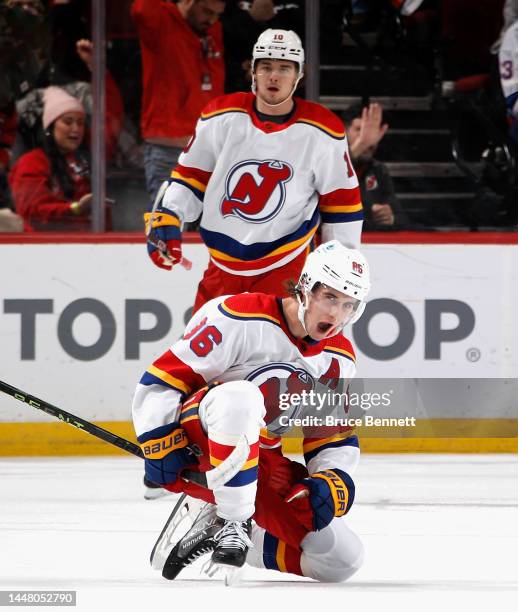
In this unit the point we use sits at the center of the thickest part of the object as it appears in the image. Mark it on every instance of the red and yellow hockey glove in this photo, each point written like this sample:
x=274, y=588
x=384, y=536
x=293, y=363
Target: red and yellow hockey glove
x=164, y=238
x=321, y=497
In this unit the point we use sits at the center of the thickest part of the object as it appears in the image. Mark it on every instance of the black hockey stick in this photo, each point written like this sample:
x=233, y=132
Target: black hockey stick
x=71, y=419
x=211, y=479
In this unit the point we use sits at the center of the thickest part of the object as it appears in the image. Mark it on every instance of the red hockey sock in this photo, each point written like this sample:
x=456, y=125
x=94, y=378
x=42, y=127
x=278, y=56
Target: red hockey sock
x=280, y=556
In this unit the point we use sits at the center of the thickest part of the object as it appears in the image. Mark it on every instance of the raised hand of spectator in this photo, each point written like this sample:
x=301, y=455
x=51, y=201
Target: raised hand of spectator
x=84, y=49
x=372, y=130
x=382, y=214
x=262, y=10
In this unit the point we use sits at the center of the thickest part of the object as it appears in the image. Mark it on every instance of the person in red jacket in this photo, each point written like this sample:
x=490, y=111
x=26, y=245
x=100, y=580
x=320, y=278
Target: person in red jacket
x=9, y=222
x=182, y=70
x=50, y=186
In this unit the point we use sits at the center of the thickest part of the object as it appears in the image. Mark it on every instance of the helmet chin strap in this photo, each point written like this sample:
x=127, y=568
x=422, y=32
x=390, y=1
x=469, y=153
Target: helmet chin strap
x=301, y=311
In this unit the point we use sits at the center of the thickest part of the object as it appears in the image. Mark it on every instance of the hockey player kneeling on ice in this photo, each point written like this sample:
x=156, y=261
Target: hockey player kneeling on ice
x=195, y=403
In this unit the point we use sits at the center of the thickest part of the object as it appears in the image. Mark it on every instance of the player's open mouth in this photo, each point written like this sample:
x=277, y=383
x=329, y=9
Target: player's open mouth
x=323, y=328
x=273, y=89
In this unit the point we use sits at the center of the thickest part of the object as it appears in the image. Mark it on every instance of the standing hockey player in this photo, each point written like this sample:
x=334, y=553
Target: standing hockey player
x=221, y=381
x=264, y=170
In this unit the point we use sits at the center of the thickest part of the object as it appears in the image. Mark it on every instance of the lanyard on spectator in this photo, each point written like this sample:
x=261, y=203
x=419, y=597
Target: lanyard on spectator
x=207, y=52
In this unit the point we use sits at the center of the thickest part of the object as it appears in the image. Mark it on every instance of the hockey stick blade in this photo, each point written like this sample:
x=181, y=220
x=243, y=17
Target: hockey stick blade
x=215, y=477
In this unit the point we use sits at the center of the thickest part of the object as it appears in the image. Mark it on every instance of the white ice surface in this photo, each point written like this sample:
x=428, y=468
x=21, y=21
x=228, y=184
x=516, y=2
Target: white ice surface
x=440, y=532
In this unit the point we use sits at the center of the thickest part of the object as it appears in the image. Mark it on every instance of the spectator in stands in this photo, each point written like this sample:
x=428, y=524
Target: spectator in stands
x=114, y=105
x=9, y=222
x=468, y=31
x=8, y=120
x=510, y=15
x=24, y=42
x=30, y=108
x=382, y=209
x=51, y=185
x=183, y=69
x=242, y=24
x=68, y=22
x=508, y=63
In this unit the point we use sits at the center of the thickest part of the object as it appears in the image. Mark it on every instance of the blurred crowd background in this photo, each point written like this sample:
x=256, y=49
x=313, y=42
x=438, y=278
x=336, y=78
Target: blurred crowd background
x=426, y=88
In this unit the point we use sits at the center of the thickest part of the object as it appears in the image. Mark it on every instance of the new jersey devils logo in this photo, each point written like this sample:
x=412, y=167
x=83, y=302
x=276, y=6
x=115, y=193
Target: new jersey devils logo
x=276, y=380
x=371, y=182
x=256, y=190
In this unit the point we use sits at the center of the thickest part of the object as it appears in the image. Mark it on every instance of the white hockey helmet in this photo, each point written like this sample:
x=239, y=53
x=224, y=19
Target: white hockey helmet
x=340, y=268
x=279, y=45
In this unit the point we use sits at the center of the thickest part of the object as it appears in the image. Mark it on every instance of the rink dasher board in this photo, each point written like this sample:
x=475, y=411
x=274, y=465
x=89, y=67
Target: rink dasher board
x=58, y=354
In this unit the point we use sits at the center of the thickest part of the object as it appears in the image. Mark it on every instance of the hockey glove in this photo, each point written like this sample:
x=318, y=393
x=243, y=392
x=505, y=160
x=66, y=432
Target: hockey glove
x=164, y=239
x=322, y=496
x=166, y=453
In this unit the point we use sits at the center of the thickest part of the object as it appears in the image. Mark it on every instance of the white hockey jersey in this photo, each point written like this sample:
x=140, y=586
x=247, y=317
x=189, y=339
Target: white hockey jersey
x=508, y=60
x=245, y=337
x=263, y=188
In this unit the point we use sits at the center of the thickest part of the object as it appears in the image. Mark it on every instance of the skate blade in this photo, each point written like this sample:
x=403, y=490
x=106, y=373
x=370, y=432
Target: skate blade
x=180, y=521
x=171, y=534
x=231, y=576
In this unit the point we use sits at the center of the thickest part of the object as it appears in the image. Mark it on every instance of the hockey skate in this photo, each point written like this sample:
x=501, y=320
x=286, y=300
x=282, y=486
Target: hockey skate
x=232, y=543
x=229, y=556
x=192, y=530
x=187, y=535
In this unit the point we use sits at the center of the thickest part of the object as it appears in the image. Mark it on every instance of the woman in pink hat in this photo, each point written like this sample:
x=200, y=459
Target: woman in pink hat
x=51, y=185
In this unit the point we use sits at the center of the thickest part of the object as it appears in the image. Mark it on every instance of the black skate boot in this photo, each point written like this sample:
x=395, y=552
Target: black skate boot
x=232, y=542
x=198, y=541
